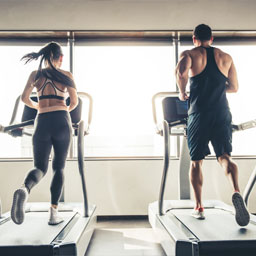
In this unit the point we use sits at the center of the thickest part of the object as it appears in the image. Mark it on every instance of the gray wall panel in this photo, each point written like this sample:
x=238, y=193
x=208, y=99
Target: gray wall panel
x=126, y=15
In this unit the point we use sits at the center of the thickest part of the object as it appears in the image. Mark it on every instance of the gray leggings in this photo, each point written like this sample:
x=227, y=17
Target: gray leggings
x=51, y=129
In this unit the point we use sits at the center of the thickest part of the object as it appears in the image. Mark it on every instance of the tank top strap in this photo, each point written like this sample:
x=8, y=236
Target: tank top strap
x=211, y=63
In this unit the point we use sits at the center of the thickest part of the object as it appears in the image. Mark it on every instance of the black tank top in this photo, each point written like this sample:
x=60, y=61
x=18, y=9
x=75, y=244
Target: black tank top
x=208, y=89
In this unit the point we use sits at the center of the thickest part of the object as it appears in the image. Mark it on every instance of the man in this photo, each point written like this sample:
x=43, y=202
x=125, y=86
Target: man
x=212, y=74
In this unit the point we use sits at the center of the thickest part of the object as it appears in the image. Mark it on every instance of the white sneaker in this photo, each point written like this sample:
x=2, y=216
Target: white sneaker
x=54, y=219
x=242, y=215
x=198, y=213
x=20, y=198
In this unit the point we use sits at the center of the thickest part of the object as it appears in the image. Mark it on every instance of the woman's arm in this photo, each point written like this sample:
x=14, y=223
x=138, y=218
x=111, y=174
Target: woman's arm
x=25, y=97
x=73, y=98
x=72, y=94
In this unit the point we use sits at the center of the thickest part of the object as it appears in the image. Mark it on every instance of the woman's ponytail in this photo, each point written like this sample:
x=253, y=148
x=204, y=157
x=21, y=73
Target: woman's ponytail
x=52, y=51
x=31, y=56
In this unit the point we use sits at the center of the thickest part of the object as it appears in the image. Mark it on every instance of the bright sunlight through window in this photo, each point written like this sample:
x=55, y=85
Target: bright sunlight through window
x=122, y=81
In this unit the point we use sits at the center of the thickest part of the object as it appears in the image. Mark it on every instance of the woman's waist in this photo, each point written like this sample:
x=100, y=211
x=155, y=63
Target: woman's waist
x=47, y=109
x=54, y=116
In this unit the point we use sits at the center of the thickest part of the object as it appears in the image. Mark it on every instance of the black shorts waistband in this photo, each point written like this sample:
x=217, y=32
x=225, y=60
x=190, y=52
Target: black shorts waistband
x=56, y=112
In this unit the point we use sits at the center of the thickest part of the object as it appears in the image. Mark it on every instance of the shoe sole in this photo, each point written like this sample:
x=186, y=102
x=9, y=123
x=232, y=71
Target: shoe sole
x=54, y=223
x=198, y=217
x=242, y=215
x=18, y=211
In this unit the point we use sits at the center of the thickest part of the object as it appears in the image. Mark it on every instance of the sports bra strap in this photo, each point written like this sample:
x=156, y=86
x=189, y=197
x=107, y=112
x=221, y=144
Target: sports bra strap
x=56, y=95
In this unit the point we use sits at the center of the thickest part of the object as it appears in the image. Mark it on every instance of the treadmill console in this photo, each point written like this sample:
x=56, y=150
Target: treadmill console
x=174, y=109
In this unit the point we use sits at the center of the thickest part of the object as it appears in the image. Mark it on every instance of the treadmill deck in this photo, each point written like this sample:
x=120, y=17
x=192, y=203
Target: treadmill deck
x=34, y=230
x=218, y=234
x=35, y=237
x=217, y=225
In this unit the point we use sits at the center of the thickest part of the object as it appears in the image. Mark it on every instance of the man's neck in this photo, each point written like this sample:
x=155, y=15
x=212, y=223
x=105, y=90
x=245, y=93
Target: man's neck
x=205, y=44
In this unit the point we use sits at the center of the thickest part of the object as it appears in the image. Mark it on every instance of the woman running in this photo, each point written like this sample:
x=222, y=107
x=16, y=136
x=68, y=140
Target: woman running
x=52, y=127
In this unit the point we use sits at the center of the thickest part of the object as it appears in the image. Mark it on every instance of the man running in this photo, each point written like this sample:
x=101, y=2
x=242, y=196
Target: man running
x=211, y=73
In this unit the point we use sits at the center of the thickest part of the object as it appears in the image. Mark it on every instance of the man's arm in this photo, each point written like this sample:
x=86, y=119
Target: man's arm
x=181, y=72
x=232, y=85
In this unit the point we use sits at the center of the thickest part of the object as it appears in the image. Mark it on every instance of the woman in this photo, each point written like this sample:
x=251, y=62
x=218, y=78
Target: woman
x=52, y=127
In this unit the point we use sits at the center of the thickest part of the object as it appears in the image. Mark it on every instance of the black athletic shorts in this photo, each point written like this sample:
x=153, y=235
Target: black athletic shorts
x=205, y=127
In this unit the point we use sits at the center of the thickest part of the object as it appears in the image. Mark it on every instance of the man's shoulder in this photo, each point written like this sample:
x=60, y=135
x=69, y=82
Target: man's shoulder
x=219, y=51
x=222, y=54
x=185, y=53
x=195, y=51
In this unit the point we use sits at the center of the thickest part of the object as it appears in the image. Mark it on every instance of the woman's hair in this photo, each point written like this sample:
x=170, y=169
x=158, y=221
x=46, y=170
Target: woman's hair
x=51, y=51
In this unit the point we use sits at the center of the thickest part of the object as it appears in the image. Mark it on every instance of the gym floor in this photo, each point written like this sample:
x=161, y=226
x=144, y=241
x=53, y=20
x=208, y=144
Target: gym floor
x=124, y=238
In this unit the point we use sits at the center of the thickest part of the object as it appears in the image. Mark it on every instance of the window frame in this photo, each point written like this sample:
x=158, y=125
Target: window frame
x=147, y=37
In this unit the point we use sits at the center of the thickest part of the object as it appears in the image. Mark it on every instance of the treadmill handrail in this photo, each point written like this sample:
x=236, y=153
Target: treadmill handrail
x=89, y=97
x=178, y=122
x=13, y=120
x=252, y=180
x=80, y=150
x=154, y=98
x=8, y=128
x=15, y=110
x=17, y=126
x=80, y=94
x=166, y=136
x=249, y=186
x=244, y=126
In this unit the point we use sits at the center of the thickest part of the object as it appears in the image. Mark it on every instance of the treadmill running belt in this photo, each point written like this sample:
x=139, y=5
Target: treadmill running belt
x=34, y=230
x=218, y=225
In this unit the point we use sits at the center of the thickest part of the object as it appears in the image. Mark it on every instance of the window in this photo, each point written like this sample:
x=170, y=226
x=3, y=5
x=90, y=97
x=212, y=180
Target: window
x=122, y=77
x=122, y=80
x=242, y=103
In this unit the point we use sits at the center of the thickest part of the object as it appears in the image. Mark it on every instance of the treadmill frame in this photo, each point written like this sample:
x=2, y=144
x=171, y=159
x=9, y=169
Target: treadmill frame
x=175, y=239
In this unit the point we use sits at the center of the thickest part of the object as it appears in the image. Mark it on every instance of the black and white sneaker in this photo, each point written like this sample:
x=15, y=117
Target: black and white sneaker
x=20, y=198
x=241, y=213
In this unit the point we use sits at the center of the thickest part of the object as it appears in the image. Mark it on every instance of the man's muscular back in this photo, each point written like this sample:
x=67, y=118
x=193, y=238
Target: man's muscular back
x=199, y=61
x=193, y=62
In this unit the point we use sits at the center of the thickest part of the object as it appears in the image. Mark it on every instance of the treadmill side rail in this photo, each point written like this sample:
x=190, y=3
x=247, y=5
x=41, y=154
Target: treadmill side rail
x=27, y=250
x=77, y=240
x=68, y=249
x=186, y=248
x=174, y=241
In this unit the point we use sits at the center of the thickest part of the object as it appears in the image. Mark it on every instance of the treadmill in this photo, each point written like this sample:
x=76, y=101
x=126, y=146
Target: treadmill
x=181, y=234
x=35, y=237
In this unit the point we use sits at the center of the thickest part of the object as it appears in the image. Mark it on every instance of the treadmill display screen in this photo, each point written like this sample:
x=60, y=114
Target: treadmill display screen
x=182, y=107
